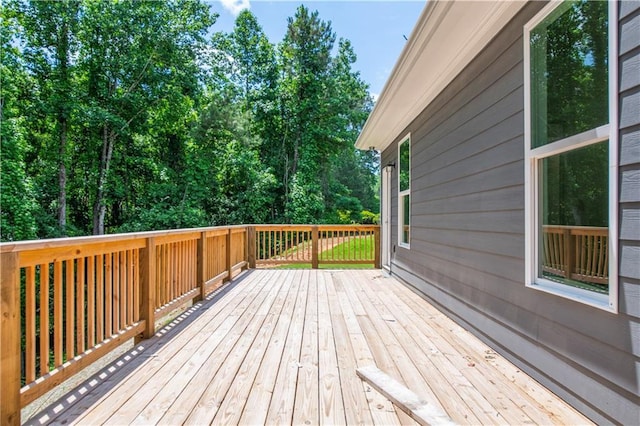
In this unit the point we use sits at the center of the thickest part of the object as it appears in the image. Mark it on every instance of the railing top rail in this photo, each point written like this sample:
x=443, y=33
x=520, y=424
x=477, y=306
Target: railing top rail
x=577, y=230
x=18, y=246
x=321, y=227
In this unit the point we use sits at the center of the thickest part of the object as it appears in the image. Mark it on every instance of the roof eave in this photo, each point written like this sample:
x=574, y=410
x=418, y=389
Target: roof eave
x=446, y=37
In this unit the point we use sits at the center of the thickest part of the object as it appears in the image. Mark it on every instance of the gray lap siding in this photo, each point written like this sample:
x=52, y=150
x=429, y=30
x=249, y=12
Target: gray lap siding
x=467, y=229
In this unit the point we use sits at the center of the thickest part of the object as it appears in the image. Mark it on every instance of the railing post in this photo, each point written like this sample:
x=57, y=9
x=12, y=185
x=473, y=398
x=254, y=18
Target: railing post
x=202, y=265
x=228, y=264
x=251, y=247
x=314, y=247
x=148, y=287
x=10, y=339
x=376, y=248
x=569, y=253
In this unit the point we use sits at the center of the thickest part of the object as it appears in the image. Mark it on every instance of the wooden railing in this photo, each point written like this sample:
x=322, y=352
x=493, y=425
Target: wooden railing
x=317, y=245
x=82, y=297
x=579, y=253
x=68, y=302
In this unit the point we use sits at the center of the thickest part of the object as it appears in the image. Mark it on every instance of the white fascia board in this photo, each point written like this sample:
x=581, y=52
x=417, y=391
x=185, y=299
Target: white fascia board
x=446, y=38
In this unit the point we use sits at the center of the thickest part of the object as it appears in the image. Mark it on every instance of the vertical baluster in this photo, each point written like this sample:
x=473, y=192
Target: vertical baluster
x=193, y=256
x=69, y=282
x=568, y=251
x=594, y=253
x=556, y=251
x=117, y=296
x=177, y=270
x=58, y=297
x=130, y=301
x=148, y=278
x=91, y=302
x=584, y=253
x=590, y=242
x=108, y=295
x=314, y=247
x=44, y=319
x=269, y=248
x=606, y=257
x=136, y=286
x=355, y=236
x=190, y=257
x=159, y=266
x=165, y=268
x=30, y=324
x=179, y=278
x=80, y=305
x=166, y=261
x=124, y=289
x=100, y=299
x=545, y=248
x=172, y=273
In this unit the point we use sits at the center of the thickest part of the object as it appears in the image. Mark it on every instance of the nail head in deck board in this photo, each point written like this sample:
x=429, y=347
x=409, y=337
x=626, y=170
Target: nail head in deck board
x=420, y=410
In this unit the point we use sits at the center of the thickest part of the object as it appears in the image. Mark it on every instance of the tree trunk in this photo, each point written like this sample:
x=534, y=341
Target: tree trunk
x=62, y=52
x=62, y=177
x=99, y=206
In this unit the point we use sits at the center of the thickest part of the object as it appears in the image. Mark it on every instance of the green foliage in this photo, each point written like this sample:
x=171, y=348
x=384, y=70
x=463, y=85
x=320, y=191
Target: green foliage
x=367, y=217
x=127, y=116
x=18, y=206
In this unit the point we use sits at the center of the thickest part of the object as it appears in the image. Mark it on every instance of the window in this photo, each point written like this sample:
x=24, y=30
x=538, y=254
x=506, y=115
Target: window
x=404, y=192
x=571, y=152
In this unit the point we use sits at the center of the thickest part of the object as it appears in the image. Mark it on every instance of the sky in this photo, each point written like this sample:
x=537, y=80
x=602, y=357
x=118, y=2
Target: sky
x=376, y=29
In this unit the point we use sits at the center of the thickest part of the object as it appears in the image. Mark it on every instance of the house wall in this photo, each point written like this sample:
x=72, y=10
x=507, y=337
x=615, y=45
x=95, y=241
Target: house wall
x=467, y=229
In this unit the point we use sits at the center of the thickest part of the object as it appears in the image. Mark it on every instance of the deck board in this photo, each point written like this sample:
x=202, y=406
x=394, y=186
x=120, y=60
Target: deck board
x=283, y=346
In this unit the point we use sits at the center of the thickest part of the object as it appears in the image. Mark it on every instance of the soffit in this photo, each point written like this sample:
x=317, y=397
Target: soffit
x=447, y=36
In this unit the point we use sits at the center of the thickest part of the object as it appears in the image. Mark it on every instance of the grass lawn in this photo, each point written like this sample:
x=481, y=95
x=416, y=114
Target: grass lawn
x=360, y=247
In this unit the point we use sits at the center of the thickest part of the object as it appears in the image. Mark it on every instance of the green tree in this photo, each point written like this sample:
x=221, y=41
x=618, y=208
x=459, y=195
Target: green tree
x=17, y=201
x=49, y=36
x=135, y=56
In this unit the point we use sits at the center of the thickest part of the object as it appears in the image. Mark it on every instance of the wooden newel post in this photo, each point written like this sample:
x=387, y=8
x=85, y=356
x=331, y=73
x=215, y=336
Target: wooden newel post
x=314, y=247
x=228, y=263
x=148, y=288
x=376, y=248
x=251, y=246
x=202, y=265
x=10, y=339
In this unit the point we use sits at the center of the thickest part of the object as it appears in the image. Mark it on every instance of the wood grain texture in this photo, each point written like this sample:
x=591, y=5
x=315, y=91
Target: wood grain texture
x=420, y=410
x=246, y=359
x=10, y=339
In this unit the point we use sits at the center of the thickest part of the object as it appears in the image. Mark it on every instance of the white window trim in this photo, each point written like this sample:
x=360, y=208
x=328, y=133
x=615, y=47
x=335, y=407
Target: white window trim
x=402, y=244
x=531, y=208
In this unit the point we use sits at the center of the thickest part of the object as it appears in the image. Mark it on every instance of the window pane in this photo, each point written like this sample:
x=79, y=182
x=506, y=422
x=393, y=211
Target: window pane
x=404, y=165
x=574, y=213
x=406, y=214
x=569, y=78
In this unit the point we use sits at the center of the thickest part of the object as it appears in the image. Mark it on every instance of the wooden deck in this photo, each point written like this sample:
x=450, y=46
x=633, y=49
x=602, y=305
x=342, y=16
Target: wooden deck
x=283, y=346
